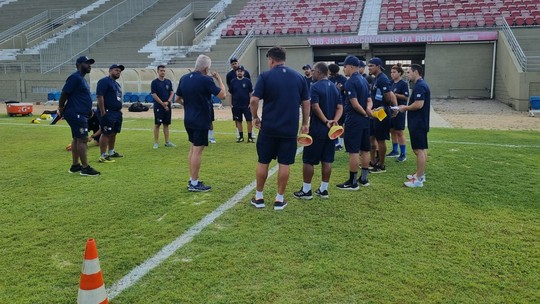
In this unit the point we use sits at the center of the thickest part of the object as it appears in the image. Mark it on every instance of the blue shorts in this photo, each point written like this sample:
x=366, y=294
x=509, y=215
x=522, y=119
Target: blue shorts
x=78, y=124
x=198, y=137
x=321, y=150
x=381, y=129
x=356, y=139
x=280, y=148
x=161, y=116
x=418, y=139
x=238, y=112
x=398, y=123
x=111, y=123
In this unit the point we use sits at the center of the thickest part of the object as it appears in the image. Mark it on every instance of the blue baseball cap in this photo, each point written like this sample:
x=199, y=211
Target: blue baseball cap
x=233, y=60
x=377, y=61
x=85, y=59
x=117, y=66
x=352, y=60
x=306, y=67
x=241, y=68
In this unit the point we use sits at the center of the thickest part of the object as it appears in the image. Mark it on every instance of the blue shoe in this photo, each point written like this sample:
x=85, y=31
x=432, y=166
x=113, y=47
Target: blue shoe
x=257, y=203
x=401, y=158
x=200, y=187
x=393, y=154
x=280, y=205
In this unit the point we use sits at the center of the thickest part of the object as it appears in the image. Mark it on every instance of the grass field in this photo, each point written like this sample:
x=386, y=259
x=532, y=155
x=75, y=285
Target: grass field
x=471, y=235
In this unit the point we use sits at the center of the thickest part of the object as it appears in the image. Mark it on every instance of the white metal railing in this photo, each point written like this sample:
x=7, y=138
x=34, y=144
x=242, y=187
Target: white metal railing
x=199, y=28
x=514, y=44
x=7, y=34
x=203, y=6
x=49, y=26
x=243, y=45
x=172, y=23
x=73, y=44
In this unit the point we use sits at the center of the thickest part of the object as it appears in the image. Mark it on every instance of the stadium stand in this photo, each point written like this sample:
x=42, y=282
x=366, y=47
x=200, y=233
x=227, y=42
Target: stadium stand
x=279, y=17
x=405, y=15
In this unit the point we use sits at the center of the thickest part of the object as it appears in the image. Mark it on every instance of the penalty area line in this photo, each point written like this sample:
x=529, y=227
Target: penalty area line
x=140, y=271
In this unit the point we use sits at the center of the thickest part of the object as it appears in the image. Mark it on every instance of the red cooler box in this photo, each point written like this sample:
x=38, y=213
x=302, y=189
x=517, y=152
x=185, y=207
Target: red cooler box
x=19, y=108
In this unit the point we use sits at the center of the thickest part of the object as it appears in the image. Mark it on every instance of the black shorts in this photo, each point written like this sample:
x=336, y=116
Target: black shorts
x=419, y=139
x=381, y=129
x=161, y=116
x=111, y=123
x=212, y=118
x=280, y=148
x=198, y=137
x=238, y=112
x=356, y=139
x=78, y=124
x=321, y=150
x=398, y=123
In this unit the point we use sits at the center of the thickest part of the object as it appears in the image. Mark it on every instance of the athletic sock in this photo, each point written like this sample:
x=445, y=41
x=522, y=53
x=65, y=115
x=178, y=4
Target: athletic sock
x=279, y=197
x=259, y=195
x=250, y=135
x=353, y=177
x=111, y=151
x=394, y=147
x=306, y=187
x=324, y=186
x=403, y=149
x=103, y=155
x=211, y=133
x=365, y=172
x=193, y=182
x=241, y=134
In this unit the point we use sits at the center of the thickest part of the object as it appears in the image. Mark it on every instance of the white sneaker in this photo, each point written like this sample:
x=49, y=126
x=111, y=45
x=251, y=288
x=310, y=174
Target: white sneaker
x=413, y=176
x=212, y=140
x=155, y=146
x=170, y=144
x=414, y=183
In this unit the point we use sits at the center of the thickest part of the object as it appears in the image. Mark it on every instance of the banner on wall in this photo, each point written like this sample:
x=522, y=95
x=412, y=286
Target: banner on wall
x=404, y=38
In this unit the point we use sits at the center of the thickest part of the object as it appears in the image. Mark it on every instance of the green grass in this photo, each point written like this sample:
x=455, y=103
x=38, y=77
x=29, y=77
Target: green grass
x=471, y=235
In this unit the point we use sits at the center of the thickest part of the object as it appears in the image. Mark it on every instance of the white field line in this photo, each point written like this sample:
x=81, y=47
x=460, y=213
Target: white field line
x=138, y=272
x=229, y=133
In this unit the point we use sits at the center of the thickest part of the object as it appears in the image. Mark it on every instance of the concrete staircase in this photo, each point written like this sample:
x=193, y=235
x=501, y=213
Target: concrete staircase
x=21, y=10
x=123, y=45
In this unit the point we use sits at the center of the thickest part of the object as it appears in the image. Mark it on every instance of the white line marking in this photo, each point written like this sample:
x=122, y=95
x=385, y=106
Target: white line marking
x=230, y=133
x=140, y=271
x=482, y=144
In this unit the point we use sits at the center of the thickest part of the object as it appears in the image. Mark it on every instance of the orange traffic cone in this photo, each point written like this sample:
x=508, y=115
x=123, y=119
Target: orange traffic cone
x=92, y=289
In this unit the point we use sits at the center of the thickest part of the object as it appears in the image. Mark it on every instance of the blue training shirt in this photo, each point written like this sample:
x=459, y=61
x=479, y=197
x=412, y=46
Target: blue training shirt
x=419, y=120
x=325, y=93
x=232, y=75
x=400, y=87
x=111, y=92
x=381, y=85
x=341, y=80
x=196, y=90
x=282, y=89
x=79, y=99
x=240, y=90
x=162, y=88
x=356, y=87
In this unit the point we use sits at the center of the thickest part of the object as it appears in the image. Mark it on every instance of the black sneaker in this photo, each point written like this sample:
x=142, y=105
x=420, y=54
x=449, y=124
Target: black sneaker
x=200, y=187
x=251, y=140
x=348, y=186
x=75, y=168
x=322, y=194
x=378, y=169
x=89, y=171
x=339, y=148
x=371, y=166
x=257, y=203
x=364, y=183
x=280, y=205
x=303, y=195
x=240, y=139
x=116, y=155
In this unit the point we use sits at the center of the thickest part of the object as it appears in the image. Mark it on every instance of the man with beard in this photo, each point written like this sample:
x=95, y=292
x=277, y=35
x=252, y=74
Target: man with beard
x=109, y=98
x=75, y=105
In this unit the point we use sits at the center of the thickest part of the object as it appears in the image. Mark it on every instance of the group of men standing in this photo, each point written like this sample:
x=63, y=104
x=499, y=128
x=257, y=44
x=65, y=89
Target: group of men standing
x=324, y=102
